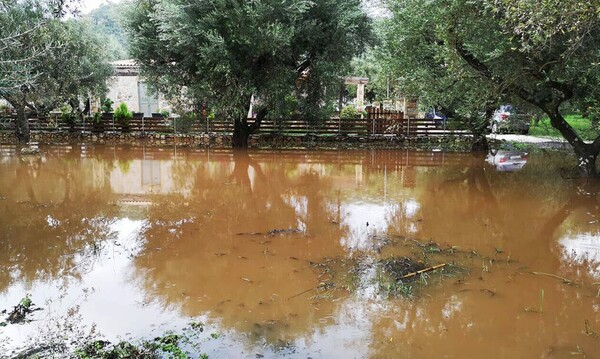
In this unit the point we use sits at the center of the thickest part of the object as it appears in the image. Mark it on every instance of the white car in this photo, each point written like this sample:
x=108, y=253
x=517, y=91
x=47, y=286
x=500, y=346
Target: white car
x=508, y=161
x=508, y=119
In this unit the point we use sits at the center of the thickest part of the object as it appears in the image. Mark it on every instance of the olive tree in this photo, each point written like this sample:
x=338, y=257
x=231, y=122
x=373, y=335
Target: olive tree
x=229, y=52
x=544, y=53
x=549, y=57
x=423, y=67
x=46, y=61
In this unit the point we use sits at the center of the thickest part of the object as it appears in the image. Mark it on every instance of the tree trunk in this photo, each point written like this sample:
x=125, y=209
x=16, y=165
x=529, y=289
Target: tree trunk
x=241, y=133
x=242, y=130
x=586, y=153
x=22, y=130
x=479, y=143
x=478, y=128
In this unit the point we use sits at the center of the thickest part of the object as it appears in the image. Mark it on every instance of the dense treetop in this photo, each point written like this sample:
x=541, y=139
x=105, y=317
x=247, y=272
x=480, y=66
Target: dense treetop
x=225, y=51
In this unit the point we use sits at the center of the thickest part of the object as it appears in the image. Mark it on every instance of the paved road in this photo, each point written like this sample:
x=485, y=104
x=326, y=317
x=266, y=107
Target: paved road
x=554, y=142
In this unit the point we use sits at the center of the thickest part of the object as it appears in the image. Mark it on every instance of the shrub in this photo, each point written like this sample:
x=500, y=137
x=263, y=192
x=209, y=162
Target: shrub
x=122, y=114
x=97, y=117
x=107, y=105
x=184, y=123
x=68, y=115
x=349, y=113
x=165, y=113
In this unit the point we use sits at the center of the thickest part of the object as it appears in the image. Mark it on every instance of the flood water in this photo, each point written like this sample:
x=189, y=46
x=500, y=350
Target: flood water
x=276, y=252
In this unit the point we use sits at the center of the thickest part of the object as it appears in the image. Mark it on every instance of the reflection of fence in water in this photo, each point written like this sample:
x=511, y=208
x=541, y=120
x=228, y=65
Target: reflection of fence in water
x=371, y=160
x=374, y=124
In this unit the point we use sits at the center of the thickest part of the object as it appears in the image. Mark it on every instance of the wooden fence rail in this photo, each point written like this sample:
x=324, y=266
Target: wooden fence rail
x=369, y=126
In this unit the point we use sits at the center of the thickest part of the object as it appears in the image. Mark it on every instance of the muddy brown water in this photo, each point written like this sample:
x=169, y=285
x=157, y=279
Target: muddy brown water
x=274, y=252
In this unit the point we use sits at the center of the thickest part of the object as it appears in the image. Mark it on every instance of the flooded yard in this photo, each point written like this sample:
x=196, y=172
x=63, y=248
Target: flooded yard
x=321, y=254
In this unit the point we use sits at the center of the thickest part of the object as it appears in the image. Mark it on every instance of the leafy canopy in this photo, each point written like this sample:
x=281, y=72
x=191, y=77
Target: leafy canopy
x=45, y=60
x=225, y=51
x=544, y=53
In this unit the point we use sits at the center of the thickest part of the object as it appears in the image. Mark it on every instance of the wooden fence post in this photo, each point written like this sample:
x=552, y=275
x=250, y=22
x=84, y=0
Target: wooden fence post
x=373, y=126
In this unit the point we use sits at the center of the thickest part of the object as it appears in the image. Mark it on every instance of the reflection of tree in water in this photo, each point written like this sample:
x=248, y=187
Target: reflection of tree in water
x=195, y=259
x=212, y=252
x=52, y=212
x=576, y=215
x=521, y=213
x=474, y=206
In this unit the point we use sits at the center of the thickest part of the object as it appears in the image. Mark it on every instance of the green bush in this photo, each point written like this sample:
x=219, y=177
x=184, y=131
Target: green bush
x=68, y=115
x=349, y=113
x=97, y=117
x=122, y=114
x=165, y=113
x=184, y=123
x=107, y=105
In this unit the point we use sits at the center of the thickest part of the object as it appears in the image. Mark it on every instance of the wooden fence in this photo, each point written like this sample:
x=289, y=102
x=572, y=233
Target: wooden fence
x=374, y=124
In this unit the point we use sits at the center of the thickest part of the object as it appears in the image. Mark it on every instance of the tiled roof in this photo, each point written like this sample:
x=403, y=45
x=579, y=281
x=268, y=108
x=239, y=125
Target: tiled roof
x=130, y=63
x=126, y=67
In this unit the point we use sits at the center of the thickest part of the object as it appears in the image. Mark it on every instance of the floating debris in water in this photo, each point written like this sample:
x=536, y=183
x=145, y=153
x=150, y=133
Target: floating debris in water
x=272, y=232
x=21, y=310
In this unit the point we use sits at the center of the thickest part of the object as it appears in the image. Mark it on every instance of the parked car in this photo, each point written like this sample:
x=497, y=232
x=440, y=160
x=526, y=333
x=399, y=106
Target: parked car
x=437, y=116
x=507, y=161
x=509, y=119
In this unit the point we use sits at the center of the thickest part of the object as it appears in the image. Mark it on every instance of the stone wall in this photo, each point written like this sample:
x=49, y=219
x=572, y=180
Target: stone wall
x=124, y=89
x=256, y=141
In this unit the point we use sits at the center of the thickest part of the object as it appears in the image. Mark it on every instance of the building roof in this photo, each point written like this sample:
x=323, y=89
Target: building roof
x=127, y=67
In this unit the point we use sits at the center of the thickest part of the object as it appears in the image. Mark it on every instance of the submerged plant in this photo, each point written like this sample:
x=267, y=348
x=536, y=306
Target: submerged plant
x=169, y=344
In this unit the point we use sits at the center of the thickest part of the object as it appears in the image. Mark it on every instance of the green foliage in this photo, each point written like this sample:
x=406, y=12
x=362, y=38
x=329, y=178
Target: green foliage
x=494, y=51
x=21, y=42
x=289, y=108
x=26, y=301
x=152, y=349
x=72, y=72
x=227, y=51
x=184, y=123
x=199, y=326
x=417, y=49
x=583, y=126
x=107, y=105
x=101, y=349
x=45, y=60
x=68, y=115
x=383, y=82
x=97, y=117
x=122, y=114
x=349, y=113
x=107, y=20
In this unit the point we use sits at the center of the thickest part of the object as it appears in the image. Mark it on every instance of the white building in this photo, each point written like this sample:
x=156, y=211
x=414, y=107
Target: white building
x=126, y=86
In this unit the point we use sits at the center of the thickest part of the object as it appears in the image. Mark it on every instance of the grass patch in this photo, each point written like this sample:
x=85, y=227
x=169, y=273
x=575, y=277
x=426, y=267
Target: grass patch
x=580, y=124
